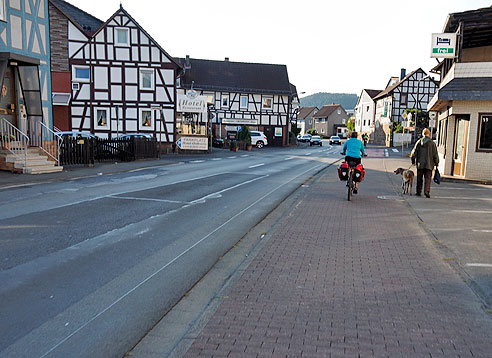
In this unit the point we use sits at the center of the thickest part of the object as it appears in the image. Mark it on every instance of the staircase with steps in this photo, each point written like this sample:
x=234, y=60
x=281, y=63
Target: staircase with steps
x=37, y=163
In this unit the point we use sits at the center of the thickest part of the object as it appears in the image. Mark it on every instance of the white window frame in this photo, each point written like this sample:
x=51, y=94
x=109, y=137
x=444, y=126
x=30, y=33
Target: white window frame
x=264, y=101
x=322, y=131
x=108, y=118
x=141, y=71
x=122, y=44
x=241, y=102
x=3, y=10
x=80, y=79
x=140, y=118
x=339, y=111
x=60, y=98
x=222, y=105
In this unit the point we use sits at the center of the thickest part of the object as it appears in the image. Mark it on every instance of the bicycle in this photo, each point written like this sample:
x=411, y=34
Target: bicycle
x=350, y=178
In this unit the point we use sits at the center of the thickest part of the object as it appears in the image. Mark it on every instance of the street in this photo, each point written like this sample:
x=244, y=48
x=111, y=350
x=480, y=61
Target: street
x=90, y=265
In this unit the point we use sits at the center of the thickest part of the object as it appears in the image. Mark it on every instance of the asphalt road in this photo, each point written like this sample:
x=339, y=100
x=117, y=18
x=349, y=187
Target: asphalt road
x=88, y=266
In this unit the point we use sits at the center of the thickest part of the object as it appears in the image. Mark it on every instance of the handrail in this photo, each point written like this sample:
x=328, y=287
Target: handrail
x=13, y=139
x=50, y=143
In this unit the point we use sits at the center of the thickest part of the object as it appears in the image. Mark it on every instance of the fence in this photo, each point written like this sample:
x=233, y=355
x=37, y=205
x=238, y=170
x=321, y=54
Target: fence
x=86, y=151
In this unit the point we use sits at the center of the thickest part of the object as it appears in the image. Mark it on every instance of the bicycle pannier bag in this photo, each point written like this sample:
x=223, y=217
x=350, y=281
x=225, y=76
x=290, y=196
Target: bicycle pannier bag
x=343, y=170
x=359, y=173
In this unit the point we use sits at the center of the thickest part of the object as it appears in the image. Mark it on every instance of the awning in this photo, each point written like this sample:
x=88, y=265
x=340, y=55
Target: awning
x=462, y=89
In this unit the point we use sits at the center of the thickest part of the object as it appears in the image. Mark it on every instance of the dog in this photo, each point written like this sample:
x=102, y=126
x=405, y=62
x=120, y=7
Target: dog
x=406, y=180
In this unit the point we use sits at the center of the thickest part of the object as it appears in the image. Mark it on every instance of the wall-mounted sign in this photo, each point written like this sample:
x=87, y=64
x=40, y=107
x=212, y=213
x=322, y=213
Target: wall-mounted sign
x=443, y=45
x=239, y=121
x=192, y=143
x=192, y=105
x=278, y=131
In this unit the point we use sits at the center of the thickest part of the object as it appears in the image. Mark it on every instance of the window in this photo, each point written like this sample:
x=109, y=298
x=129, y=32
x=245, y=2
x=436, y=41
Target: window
x=339, y=111
x=367, y=109
x=485, y=133
x=60, y=99
x=3, y=15
x=225, y=101
x=146, y=79
x=404, y=99
x=146, y=118
x=81, y=73
x=267, y=103
x=122, y=37
x=244, y=102
x=322, y=130
x=310, y=121
x=101, y=118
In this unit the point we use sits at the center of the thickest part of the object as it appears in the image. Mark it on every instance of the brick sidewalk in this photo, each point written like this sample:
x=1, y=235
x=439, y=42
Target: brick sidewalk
x=352, y=279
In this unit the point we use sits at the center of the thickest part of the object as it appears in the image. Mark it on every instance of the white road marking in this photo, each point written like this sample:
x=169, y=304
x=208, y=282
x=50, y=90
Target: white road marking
x=256, y=165
x=197, y=161
x=216, y=158
x=232, y=157
x=308, y=153
x=89, y=321
x=146, y=199
x=217, y=194
x=461, y=198
x=478, y=265
x=245, y=155
x=482, y=230
x=394, y=150
x=139, y=169
x=386, y=153
x=289, y=158
x=473, y=211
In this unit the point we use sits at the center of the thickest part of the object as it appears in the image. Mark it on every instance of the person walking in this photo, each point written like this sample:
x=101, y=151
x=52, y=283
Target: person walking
x=424, y=156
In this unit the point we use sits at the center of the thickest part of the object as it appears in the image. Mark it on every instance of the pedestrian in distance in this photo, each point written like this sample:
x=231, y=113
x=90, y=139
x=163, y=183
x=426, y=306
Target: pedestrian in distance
x=424, y=156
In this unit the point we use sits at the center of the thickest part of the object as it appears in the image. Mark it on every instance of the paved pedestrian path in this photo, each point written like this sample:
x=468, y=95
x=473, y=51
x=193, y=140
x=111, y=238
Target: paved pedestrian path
x=348, y=279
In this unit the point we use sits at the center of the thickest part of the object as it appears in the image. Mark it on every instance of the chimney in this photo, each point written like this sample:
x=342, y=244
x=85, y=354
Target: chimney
x=226, y=59
x=403, y=73
x=187, y=64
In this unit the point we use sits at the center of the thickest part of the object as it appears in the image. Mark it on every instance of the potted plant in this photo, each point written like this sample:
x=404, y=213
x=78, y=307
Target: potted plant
x=245, y=137
x=6, y=140
x=234, y=147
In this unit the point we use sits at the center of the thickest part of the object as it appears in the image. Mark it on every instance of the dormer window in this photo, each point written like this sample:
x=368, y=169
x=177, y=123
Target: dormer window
x=122, y=36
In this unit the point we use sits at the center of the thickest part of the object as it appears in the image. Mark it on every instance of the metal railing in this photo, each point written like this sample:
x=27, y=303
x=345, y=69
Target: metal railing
x=50, y=142
x=13, y=140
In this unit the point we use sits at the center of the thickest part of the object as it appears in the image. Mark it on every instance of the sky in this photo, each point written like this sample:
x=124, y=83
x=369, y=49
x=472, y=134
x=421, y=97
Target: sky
x=339, y=46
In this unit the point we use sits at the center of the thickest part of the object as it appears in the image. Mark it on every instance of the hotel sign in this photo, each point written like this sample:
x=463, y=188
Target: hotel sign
x=443, y=45
x=236, y=121
x=192, y=105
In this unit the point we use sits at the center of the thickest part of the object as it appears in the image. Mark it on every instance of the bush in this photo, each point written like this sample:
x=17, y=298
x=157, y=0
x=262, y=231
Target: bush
x=312, y=131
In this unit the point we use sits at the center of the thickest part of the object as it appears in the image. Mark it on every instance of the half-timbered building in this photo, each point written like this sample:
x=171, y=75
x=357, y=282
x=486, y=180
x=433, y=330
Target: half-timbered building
x=412, y=91
x=121, y=79
x=255, y=94
x=25, y=101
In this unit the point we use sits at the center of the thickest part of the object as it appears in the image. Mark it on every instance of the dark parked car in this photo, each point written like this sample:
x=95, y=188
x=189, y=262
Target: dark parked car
x=74, y=134
x=136, y=135
x=315, y=140
x=335, y=140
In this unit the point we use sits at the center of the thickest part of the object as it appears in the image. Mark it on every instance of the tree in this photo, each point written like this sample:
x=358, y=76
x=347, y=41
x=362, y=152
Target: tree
x=244, y=134
x=351, y=124
x=312, y=131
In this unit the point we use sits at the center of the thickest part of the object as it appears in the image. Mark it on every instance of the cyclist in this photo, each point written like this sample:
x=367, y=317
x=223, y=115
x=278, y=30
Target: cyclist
x=353, y=149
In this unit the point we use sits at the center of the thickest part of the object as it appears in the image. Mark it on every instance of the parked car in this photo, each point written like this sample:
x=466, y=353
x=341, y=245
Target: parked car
x=136, y=135
x=258, y=139
x=75, y=134
x=315, y=140
x=334, y=139
x=305, y=138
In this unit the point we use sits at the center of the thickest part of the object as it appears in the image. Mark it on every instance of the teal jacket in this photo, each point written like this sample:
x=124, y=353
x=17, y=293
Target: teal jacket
x=353, y=147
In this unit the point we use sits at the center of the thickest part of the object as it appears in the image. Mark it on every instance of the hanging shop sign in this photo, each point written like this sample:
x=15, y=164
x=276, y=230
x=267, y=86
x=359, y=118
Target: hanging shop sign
x=192, y=143
x=236, y=121
x=443, y=45
x=192, y=104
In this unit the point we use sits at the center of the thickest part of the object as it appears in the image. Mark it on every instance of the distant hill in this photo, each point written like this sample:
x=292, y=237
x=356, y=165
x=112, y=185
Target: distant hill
x=347, y=100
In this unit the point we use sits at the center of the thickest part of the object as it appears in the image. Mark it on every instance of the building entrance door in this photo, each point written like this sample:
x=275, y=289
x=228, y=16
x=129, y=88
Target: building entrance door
x=8, y=99
x=460, y=144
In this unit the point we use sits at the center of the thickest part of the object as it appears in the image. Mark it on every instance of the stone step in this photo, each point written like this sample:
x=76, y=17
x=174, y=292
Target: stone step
x=20, y=158
x=43, y=170
x=34, y=163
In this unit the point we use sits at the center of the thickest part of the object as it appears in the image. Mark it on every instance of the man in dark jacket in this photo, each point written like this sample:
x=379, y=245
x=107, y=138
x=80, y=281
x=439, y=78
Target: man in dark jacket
x=425, y=156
